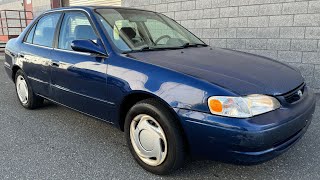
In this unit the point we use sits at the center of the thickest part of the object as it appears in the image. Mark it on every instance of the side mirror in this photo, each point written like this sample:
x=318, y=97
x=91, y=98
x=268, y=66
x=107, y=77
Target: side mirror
x=88, y=46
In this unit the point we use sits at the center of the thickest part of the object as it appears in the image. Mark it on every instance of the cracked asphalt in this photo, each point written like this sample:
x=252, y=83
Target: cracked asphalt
x=54, y=142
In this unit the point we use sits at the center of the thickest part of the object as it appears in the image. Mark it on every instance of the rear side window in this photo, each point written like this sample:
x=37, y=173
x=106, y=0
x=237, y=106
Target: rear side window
x=30, y=36
x=44, y=31
x=75, y=26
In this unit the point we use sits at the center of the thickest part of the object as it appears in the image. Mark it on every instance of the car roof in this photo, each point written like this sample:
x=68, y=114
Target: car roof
x=89, y=8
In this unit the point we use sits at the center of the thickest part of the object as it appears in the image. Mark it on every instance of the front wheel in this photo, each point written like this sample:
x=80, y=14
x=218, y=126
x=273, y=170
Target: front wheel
x=25, y=93
x=154, y=137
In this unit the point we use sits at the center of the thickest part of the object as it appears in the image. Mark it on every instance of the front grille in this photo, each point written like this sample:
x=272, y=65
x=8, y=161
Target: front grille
x=295, y=95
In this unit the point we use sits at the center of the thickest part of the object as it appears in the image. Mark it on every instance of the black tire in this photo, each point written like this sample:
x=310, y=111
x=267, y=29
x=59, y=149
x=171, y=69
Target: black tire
x=176, y=150
x=34, y=101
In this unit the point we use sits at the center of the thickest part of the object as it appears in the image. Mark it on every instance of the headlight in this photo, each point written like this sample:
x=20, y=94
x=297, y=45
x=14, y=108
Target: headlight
x=242, y=107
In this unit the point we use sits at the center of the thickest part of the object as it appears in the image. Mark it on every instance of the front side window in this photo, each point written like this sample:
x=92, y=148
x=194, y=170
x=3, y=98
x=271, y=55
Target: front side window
x=132, y=30
x=75, y=26
x=44, y=32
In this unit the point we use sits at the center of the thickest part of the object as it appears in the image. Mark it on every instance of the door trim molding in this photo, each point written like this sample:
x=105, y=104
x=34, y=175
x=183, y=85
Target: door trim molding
x=80, y=94
x=75, y=109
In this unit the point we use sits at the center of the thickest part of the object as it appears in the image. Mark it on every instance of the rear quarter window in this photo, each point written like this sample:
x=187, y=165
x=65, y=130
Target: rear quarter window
x=30, y=35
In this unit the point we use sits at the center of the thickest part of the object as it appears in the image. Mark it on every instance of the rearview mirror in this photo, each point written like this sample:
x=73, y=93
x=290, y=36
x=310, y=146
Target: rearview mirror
x=137, y=19
x=88, y=46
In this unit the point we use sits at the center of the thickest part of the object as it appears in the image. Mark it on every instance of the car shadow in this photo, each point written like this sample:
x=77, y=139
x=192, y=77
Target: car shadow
x=47, y=105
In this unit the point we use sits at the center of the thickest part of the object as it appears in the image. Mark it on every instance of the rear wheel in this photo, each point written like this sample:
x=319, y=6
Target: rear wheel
x=154, y=137
x=25, y=94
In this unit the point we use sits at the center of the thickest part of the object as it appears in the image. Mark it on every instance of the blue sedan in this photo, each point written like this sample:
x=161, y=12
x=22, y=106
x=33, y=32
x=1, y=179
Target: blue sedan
x=171, y=94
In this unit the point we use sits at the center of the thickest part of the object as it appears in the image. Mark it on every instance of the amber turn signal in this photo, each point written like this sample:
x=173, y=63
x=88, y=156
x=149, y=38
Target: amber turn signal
x=215, y=105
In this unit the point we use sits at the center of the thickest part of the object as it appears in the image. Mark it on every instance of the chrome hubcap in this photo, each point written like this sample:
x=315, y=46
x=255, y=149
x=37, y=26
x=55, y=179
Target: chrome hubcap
x=22, y=89
x=148, y=140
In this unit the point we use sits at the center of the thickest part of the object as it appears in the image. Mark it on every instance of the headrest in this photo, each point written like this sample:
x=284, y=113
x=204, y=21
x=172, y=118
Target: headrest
x=129, y=31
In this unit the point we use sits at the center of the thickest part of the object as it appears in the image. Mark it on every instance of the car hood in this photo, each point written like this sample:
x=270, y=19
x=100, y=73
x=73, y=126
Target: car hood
x=240, y=72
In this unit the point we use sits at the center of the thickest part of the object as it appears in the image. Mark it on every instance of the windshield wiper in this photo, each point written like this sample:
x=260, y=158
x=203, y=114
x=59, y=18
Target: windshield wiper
x=186, y=45
x=148, y=48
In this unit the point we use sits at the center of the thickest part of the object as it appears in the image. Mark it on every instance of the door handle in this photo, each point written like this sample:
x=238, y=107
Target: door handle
x=56, y=64
x=21, y=55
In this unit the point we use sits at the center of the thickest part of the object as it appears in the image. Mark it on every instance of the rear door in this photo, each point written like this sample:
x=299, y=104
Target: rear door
x=79, y=79
x=36, y=52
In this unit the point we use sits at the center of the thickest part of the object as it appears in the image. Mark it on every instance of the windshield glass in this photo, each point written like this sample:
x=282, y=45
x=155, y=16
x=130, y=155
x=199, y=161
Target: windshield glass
x=137, y=30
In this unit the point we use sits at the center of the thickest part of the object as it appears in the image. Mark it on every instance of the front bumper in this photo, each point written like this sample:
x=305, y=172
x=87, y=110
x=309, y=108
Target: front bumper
x=251, y=140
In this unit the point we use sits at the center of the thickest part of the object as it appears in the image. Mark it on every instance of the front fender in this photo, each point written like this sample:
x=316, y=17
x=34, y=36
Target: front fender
x=182, y=91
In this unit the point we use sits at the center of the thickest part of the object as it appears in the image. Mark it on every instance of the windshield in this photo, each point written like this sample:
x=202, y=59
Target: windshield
x=137, y=30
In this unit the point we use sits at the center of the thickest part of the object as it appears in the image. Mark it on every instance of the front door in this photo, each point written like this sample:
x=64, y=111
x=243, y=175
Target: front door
x=78, y=80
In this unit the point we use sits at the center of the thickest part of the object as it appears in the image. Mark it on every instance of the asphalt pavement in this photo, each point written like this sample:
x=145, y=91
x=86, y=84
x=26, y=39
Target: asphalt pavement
x=54, y=142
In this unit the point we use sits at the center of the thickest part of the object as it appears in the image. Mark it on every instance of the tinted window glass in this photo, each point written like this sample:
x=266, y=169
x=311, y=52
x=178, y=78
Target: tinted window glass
x=75, y=26
x=44, y=33
x=158, y=29
x=30, y=36
x=119, y=42
x=135, y=30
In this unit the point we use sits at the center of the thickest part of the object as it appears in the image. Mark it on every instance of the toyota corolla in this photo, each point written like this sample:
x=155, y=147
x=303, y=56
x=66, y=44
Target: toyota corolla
x=172, y=95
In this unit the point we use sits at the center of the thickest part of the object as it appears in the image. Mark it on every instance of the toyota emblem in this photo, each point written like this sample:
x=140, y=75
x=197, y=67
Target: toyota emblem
x=299, y=93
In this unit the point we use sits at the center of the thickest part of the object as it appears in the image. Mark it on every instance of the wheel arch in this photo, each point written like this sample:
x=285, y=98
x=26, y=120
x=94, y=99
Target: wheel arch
x=15, y=69
x=134, y=97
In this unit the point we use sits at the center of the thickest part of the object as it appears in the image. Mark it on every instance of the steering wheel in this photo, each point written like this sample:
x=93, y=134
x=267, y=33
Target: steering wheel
x=162, y=37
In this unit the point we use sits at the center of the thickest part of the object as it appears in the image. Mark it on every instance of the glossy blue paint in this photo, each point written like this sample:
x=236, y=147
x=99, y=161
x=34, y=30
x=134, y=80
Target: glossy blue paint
x=183, y=79
x=226, y=68
x=249, y=140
